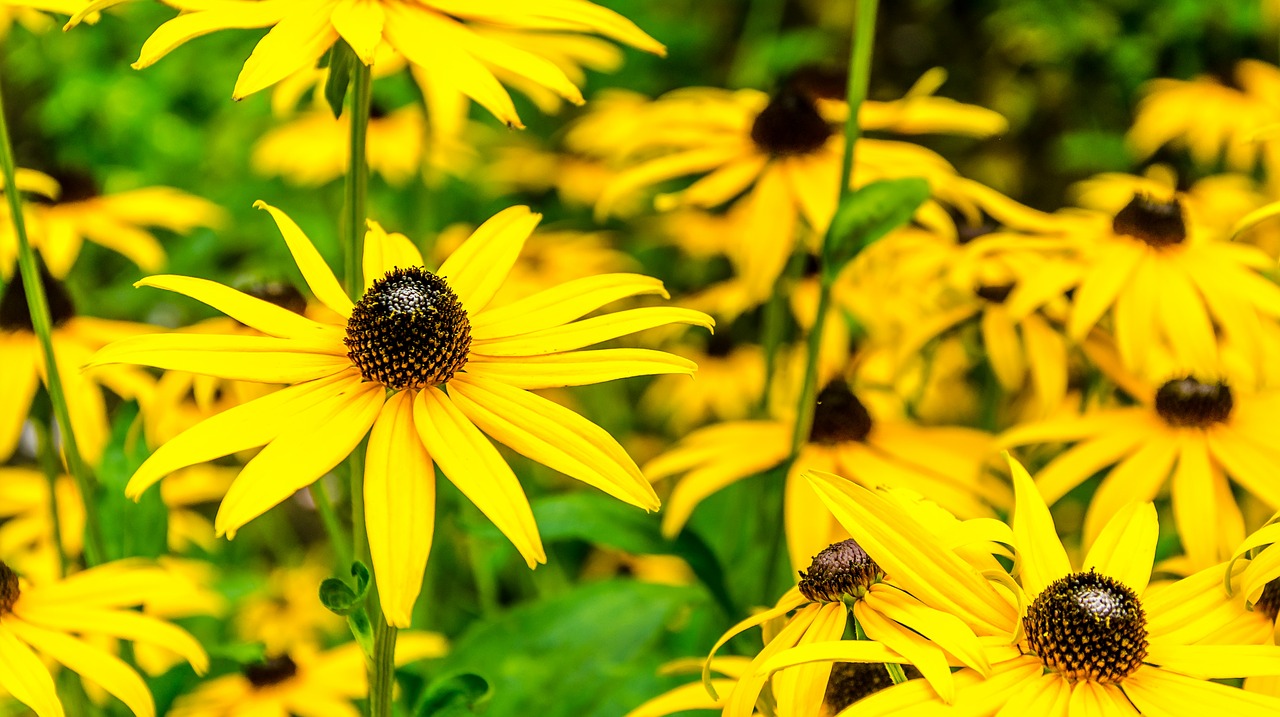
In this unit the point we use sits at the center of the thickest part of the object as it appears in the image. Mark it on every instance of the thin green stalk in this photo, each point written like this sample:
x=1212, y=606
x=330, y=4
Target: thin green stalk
x=382, y=673
x=896, y=673
x=38, y=305
x=864, y=29
x=329, y=516
x=52, y=471
x=775, y=316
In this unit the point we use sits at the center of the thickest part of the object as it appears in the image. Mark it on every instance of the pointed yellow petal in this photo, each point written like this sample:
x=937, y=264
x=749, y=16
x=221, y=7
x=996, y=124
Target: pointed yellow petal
x=552, y=435
x=249, y=310
x=1159, y=692
x=26, y=678
x=296, y=41
x=261, y=359
x=1111, y=270
x=476, y=270
x=800, y=690
x=472, y=464
x=123, y=624
x=946, y=631
x=360, y=24
x=1040, y=553
x=91, y=663
x=1126, y=549
x=192, y=25
x=590, y=331
x=560, y=304
x=385, y=252
x=399, y=507
x=317, y=274
x=578, y=368
x=788, y=602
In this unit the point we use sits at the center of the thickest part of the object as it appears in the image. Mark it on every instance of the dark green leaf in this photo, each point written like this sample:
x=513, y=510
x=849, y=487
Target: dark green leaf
x=338, y=597
x=868, y=214
x=341, y=60
x=458, y=694
x=241, y=653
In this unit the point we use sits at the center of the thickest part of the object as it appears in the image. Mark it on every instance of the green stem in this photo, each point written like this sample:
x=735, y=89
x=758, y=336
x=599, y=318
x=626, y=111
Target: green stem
x=382, y=673
x=329, y=516
x=775, y=317
x=864, y=28
x=52, y=471
x=896, y=673
x=356, y=188
x=42, y=323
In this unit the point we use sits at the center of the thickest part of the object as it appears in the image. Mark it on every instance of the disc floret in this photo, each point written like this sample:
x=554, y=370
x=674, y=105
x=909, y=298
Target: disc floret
x=1088, y=626
x=840, y=570
x=1190, y=403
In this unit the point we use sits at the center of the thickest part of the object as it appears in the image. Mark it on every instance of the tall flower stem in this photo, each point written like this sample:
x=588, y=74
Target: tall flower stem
x=48, y=453
x=382, y=675
x=864, y=29
x=42, y=324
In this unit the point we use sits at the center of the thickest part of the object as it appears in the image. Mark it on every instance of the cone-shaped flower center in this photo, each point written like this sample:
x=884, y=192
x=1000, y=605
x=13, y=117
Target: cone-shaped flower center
x=14, y=315
x=852, y=681
x=1157, y=223
x=409, y=330
x=840, y=569
x=790, y=125
x=995, y=293
x=272, y=671
x=9, y=590
x=838, y=416
x=1269, y=602
x=1188, y=403
x=1088, y=626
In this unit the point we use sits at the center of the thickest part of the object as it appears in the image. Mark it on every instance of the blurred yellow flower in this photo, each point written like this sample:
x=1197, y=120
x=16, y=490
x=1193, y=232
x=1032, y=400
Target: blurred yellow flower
x=284, y=614
x=313, y=149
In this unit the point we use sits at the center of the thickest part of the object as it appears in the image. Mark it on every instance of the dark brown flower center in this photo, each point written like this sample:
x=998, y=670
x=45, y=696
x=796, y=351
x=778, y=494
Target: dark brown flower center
x=409, y=330
x=1269, y=602
x=840, y=569
x=1157, y=223
x=790, y=125
x=14, y=315
x=838, y=416
x=852, y=681
x=820, y=82
x=1188, y=403
x=995, y=293
x=74, y=185
x=271, y=671
x=1088, y=626
x=286, y=296
x=9, y=591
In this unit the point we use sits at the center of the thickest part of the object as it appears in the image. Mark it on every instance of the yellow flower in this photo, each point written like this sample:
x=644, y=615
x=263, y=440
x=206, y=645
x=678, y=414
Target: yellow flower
x=917, y=594
x=30, y=13
x=384, y=365
x=1197, y=435
x=75, y=338
x=303, y=682
x=117, y=221
x=312, y=149
x=781, y=153
x=730, y=381
x=1165, y=280
x=58, y=618
x=284, y=614
x=432, y=34
x=1089, y=641
x=944, y=463
x=1211, y=119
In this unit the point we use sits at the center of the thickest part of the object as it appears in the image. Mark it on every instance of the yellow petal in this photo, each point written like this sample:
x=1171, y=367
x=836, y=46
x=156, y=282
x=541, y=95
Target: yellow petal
x=552, y=435
x=192, y=25
x=1156, y=691
x=385, y=252
x=590, y=331
x=1040, y=553
x=317, y=274
x=360, y=24
x=91, y=663
x=800, y=690
x=918, y=651
x=310, y=446
x=399, y=507
x=296, y=41
x=560, y=304
x=249, y=310
x=1111, y=270
x=944, y=630
x=472, y=464
x=26, y=678
x=476, y=270
x=123, y=624
x=788, y=602
x=1126, y=549
x=578, y=368
x=262, y=359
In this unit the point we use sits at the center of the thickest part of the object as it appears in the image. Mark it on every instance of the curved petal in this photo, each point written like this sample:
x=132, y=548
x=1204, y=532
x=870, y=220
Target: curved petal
x=1040, y=552
x=360, y=23
x=554, y=436
x=472, y=464
x=399, y=507
x=560, y=304
x=1156, y=691
x=91, y=663
x=385, y=252
x=476, y=270
x=314, y=270
x=262, y=359
x=578, y=368
x=590, y=331
x=1126, y=548
x=249, y=310
x=918, y=651
x=296, y=41
x=122, y=624
x=25, y=677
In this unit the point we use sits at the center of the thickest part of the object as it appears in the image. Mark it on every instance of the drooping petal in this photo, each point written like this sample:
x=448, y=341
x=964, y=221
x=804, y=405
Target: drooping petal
x=1156, y=691
x=472, y=464
x=18, y=381
x=1098, y=290
x=560, y=304
x=314, y=270
x=944, y=630
x=927, y=657
x=91, y=663
x=553, y=435
x=188, y=26
x=399, y=507
x=296, y=41
x=122, y=624
x=359, y=22
x=800, y=690
x=307, y=448
x=24, y=676
x=477, y=269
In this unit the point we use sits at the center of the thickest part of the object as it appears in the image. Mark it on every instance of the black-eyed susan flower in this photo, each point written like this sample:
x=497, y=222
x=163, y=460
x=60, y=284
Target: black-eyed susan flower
x=1093, y=640
x=31, y=13
x=56, y=619
x=284, y=614
x=435, y=35
x=75, y=338
x=730, y=382
x=921, y=600
x=302, y=682
x=119, y=221
x=781, y=154
x=1164, y=279
x=1198, y=435
x=426, y=368
x=944, y=463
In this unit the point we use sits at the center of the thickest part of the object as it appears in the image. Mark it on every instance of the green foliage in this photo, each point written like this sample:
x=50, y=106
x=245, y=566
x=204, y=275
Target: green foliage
x=130, y=529
x=866, y=215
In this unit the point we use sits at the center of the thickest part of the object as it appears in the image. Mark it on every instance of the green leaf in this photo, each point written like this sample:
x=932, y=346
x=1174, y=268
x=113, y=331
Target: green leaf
x=241, y=653
x=868, y=214
x=339, y=598
x=341, y=60
x=129, y=529
x=458, y=694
